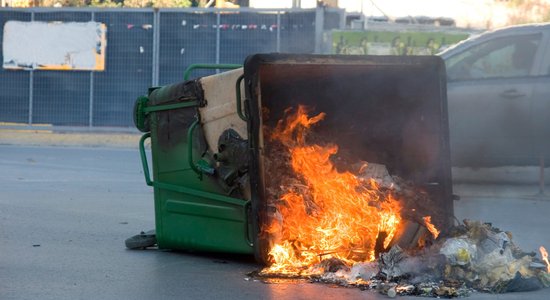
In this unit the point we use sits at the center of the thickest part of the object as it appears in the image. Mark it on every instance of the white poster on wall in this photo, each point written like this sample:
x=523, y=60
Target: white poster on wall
x=54, y=45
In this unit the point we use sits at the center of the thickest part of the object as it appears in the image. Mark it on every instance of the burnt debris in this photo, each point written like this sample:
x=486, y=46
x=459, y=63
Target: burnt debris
x=475, y=256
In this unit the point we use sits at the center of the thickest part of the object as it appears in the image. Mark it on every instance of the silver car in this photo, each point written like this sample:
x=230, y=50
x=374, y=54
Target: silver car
x=498, y=87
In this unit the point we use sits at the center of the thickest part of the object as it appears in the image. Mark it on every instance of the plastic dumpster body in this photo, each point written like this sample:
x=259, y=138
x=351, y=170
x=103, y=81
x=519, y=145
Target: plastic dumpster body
x=192, y=209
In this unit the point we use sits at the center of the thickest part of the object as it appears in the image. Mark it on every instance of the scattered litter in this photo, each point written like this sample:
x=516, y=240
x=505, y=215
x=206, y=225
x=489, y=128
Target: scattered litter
x=459, y=251
x=474, y=256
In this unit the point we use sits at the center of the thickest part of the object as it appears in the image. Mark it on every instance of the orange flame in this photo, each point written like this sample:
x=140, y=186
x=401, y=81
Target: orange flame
x=332, y=214
x=431, y=227
x=544, y=255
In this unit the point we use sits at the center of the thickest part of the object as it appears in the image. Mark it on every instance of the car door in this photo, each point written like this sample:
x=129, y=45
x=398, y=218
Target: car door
x=490, y=92
x=541, y=105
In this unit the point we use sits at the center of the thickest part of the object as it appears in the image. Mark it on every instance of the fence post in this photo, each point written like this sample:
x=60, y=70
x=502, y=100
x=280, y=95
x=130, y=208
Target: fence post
x=319, y=25
x=156, y=47
x=31, y=84
x=218, y=21
x=91, y=100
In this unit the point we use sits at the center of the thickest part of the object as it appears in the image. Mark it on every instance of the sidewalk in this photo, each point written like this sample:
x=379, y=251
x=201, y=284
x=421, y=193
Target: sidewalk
x=48, y=137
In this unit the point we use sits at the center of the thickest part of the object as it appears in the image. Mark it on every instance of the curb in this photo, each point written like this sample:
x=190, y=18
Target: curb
x=68, y=139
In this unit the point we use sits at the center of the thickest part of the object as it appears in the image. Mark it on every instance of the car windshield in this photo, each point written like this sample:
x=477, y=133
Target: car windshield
x=496, y=58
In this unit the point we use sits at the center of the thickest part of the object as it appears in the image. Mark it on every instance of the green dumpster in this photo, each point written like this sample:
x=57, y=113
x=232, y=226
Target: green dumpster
x=217, y=175
x=193, y=209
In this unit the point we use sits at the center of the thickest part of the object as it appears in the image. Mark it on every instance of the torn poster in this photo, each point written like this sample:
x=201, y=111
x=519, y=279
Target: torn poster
x=54, y=45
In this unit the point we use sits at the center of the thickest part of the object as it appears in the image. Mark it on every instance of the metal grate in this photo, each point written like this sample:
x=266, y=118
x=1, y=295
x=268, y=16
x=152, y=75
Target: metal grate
x=13, y=84
x=145, y=48
x=128, y=66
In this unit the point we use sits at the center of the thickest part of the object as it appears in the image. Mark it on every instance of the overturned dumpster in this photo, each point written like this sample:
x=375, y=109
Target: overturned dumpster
x=222, y=168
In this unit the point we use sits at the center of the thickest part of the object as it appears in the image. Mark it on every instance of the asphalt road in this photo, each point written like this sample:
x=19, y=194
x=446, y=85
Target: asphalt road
x=66, y=211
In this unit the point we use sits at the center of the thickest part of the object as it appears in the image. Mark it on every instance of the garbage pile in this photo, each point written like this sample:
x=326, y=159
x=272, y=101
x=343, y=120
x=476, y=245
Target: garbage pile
x=474, y=256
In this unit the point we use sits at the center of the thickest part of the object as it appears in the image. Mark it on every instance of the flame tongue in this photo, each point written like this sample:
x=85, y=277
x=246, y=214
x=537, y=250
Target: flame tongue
x=329, y=214
x=433, y=230
x=544, y=255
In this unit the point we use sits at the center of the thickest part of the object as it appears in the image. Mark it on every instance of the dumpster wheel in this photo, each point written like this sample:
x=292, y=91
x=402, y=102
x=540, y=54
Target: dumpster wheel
x=142, y=240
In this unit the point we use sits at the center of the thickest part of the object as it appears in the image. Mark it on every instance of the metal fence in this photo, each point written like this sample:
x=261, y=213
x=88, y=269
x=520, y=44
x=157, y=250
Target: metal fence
x=147, y=47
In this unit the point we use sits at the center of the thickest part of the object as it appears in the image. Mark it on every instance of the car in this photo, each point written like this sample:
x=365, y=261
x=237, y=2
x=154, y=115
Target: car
x=498, y=93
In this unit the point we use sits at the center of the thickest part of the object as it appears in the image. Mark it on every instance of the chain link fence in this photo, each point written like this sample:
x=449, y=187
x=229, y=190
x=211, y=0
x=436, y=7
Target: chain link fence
x=147, y=47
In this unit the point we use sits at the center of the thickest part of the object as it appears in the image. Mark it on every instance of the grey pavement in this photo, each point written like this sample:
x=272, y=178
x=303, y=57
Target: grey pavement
x=66, y=211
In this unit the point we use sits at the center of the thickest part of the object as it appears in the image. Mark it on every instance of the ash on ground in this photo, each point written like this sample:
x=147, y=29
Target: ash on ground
x=474, y=256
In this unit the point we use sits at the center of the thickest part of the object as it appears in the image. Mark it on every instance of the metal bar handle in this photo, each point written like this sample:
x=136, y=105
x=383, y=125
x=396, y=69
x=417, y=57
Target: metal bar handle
x=162, y=107
x=143, y=156
x=238, y=94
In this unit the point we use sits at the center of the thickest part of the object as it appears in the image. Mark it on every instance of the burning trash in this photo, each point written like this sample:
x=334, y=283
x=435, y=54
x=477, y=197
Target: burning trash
x=337, y=227
x=327, y=214
x=475, y=256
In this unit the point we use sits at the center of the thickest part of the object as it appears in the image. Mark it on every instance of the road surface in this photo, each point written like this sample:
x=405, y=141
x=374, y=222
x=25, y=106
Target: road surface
x=66, y=211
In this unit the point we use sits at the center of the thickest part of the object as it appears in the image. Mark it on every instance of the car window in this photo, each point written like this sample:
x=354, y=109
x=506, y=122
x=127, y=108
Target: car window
x=496, y=58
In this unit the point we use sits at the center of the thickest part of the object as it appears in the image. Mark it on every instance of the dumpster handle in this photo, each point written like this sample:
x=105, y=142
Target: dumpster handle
x=144, y=158
x=246, y=229
x=190, y=147
x=238, y=94
x=180, y=189
x=208, y=66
